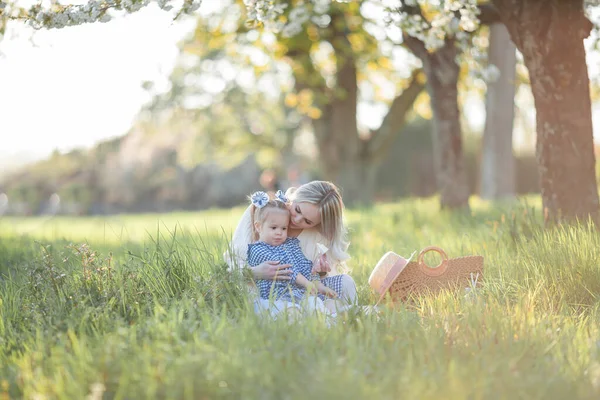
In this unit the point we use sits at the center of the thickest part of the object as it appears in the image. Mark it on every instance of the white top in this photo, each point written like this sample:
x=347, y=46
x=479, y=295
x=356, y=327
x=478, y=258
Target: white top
x=309, y=239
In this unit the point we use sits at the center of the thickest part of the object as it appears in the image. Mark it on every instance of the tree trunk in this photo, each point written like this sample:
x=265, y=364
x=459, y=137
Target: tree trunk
x=347, y=159
x=442, y=81
x=550, y=36
x=357, y=180
x=337, y=132
x=497, y=159
x=340, y=155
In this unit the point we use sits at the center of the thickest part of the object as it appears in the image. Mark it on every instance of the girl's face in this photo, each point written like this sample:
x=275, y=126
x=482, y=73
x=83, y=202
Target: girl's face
x=304, y=215
x=273, y=229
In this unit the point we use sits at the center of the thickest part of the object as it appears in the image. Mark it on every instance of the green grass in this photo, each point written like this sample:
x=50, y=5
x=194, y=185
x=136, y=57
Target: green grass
x=146, y=309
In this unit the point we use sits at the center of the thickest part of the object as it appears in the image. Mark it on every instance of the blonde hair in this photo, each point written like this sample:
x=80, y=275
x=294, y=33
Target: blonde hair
x=259, y=214
x=327, y=197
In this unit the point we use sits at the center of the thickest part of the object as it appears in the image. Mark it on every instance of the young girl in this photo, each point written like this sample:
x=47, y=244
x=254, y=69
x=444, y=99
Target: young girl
x=270, y=219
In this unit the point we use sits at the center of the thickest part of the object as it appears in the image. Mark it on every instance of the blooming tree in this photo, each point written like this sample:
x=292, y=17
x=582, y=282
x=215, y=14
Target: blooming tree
x=447, y=18
x=437, y=32
x=330, y=56
x=554, y=55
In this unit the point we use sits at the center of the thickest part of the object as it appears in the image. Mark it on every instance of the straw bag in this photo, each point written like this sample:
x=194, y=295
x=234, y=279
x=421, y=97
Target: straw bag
x=402, y=278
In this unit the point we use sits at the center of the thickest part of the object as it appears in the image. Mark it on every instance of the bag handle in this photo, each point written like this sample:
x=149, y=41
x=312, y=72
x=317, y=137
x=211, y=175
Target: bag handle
x=437, y=271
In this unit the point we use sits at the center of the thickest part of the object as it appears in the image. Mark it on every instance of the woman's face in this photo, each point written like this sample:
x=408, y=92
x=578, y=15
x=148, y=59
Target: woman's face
x=304, y=215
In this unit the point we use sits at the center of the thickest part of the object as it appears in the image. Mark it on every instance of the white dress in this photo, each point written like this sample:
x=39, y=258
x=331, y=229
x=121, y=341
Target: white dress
x=236, y=257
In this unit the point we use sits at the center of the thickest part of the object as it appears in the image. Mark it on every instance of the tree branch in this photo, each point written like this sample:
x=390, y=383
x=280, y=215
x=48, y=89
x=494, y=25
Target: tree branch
x=488, y=14
x=416, y=46
x=62, y=15
x=414, y=10
x=383, y=137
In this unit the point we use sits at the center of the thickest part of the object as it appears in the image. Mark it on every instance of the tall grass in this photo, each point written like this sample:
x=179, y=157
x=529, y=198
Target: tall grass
x=156, y=314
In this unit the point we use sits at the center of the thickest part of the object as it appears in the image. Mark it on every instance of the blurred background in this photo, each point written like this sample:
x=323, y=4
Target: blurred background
x=150, y=114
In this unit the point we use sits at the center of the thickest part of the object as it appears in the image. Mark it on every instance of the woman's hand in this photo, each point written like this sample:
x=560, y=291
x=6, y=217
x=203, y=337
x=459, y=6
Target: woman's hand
x=271, y=270
x=321, y=266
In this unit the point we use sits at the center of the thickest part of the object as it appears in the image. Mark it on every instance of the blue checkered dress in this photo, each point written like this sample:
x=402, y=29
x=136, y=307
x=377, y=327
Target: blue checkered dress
x=289, y=252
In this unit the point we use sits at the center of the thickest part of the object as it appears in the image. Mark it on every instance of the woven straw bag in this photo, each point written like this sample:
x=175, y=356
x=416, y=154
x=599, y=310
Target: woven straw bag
x=402, y=278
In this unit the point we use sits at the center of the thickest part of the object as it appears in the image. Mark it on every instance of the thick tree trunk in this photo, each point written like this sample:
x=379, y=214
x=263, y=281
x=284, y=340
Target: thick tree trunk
x=497, y=159
x=442, y=80
x=550, y=36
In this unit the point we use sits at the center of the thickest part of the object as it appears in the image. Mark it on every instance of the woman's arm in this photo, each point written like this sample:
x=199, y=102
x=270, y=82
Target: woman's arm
x=263, y=265
x=271, y=270
x=235, y=256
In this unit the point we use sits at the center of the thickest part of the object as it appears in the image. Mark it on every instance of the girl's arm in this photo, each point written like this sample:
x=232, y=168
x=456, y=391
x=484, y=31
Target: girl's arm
x=311, y=287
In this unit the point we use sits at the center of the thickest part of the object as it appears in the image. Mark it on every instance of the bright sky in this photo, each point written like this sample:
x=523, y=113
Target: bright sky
x=75, y=86
x=61, y=89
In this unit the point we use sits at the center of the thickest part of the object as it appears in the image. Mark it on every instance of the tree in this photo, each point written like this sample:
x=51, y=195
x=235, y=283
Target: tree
x=348, y=158
x=497, y=158
x=328, y=59
x=442, y=73
x=550, y=36
x=432, y=32
x=439, y=34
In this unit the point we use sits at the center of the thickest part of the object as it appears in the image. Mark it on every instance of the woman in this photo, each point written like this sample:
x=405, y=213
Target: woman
x=316, y=217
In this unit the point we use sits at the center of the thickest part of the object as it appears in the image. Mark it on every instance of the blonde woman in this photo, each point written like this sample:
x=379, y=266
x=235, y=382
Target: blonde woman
x=316, y=218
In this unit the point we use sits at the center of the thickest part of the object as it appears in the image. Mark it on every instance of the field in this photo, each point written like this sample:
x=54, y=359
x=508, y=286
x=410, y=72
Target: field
x=141, y=306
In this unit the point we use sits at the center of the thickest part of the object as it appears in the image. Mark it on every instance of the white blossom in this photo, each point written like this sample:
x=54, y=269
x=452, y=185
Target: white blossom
x=321, y=20
x=321, y=6
x=291, y=29
x=491, y=73
x=59, y=20
x=434, y=39
x=40, y=17
x=59, y=16
x=468, y=19
x=453, y=5
x=299, y=14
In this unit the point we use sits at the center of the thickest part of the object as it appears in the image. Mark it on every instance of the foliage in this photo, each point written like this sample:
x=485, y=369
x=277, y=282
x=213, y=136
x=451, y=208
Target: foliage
x=298, y=71
x=407, y=171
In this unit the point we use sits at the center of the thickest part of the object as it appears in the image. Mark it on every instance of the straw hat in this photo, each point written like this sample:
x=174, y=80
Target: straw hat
x=386, y=271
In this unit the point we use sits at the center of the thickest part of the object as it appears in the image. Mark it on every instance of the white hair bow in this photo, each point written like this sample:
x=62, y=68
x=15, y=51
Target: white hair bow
x=259, y=199
x=281, y=196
